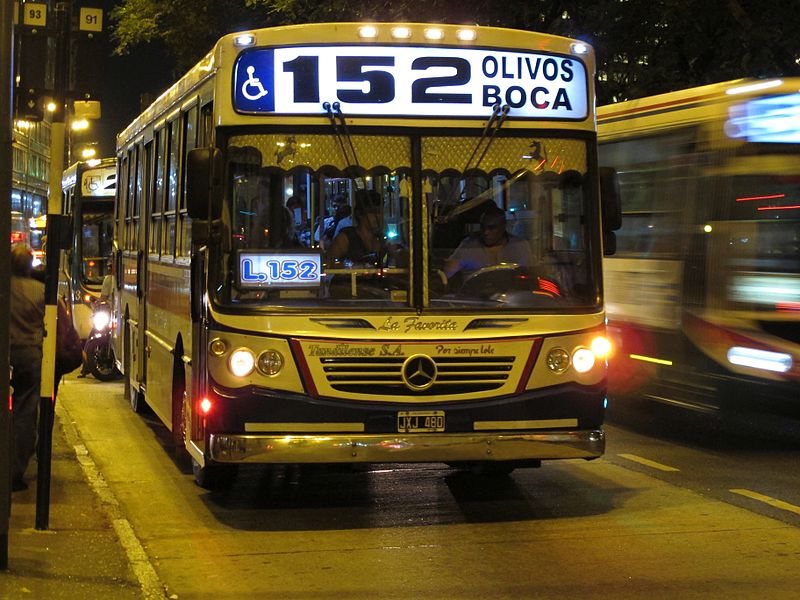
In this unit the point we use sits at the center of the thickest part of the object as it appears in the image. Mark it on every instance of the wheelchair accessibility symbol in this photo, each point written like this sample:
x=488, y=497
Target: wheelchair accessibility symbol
x=252, y=88
x=253, y=82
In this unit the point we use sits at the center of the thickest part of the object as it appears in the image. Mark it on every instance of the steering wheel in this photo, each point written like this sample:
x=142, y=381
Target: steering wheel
x=514, y=282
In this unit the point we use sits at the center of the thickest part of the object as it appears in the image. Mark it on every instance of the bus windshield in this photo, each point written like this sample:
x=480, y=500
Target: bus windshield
x=308, y=228
x=96, y=243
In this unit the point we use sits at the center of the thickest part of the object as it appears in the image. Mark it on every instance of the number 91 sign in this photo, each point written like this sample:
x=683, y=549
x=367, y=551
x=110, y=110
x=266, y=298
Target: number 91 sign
x=408, y=81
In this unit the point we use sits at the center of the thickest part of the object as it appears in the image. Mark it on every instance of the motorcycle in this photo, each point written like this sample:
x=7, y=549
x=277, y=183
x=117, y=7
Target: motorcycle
x=98, y=351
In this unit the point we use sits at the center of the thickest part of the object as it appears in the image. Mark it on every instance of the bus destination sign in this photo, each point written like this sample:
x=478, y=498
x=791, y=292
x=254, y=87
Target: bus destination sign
x=410, y=81
x=279, y=270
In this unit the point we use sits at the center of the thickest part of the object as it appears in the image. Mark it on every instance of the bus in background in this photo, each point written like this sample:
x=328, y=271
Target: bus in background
x=88, y=198
x=456, y=316
x=703, y=295
x=38, y=229
x=20, y=231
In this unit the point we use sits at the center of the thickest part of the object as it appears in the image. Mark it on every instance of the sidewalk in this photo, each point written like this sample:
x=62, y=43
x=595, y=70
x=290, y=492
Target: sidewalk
x=80, y=554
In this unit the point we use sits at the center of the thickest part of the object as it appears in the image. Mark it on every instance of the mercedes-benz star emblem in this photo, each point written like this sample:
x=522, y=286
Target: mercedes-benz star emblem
x=419, y=372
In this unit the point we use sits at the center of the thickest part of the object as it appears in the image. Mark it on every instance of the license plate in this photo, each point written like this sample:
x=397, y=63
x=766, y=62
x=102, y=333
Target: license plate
x=415, y=421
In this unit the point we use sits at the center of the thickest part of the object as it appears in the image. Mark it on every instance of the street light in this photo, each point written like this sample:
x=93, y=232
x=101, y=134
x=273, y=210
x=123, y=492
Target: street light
x=80, y=125
x=88, y=152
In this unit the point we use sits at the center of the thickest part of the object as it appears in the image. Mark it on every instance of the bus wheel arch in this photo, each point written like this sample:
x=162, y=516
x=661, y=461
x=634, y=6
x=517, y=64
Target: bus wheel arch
x=179, y=399
x=214, y=476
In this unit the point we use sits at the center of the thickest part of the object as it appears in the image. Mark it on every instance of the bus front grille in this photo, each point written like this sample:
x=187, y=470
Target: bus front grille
x=383, y=375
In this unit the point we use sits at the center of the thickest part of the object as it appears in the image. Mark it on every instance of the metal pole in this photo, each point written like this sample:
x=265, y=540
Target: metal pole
x=6, y=145
x=57, y=133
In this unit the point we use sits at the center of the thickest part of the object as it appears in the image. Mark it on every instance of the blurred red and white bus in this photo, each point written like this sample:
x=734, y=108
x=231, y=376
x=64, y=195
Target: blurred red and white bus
x=703, y=295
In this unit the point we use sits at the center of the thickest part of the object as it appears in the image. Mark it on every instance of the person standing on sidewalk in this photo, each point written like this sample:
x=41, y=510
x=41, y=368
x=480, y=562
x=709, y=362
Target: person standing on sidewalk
x=25, y=336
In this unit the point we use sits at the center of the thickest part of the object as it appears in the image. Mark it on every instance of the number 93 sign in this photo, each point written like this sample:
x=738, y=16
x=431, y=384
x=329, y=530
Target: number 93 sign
x=409, y=81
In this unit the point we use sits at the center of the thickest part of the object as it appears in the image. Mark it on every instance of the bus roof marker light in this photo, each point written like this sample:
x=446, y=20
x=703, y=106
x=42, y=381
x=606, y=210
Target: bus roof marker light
x=778, y=362
x=401, y=32
x=579, y=48
x=467, y=35
x=368, y=32
x=244, y=39
x=754, y=87
x=434, y=34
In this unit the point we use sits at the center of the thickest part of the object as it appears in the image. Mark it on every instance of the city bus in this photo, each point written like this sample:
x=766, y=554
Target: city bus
x=703, y=294
x=88, y=192
x=259, y=334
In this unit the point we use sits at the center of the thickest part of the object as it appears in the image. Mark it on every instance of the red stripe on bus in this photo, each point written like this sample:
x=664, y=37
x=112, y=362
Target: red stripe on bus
x=649, y=107
x=526, y=372
x=302, y=365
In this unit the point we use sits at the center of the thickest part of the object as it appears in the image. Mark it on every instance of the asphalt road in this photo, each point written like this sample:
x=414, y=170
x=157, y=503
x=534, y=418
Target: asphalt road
x=674, y=509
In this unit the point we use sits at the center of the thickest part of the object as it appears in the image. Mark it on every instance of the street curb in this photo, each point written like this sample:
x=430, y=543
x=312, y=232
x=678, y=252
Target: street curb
x=149, y=582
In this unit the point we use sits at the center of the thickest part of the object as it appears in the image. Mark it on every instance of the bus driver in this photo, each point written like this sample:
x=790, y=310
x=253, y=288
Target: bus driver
x=493, y=245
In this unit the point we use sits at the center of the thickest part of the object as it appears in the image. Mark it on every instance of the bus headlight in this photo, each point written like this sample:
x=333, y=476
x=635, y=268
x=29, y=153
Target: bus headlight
x=558, y=360
x=100, y=320
x=583, y=360
x=217, y=347
x=242, y=362
x=601, y=347
x=270, y=362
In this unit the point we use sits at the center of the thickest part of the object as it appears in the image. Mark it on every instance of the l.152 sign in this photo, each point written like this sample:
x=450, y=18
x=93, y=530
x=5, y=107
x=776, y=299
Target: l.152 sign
x=410, y=81
x=262, y=270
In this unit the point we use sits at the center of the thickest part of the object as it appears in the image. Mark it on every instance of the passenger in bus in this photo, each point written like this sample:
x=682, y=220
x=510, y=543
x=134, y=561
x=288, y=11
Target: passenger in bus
x=270, y=224
x=281, y=231
x=492, y=245
x=364, y=242
x=327, y=227
x=299, y=220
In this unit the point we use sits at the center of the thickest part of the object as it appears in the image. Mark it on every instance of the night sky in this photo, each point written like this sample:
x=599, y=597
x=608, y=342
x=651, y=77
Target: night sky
x=125, y=79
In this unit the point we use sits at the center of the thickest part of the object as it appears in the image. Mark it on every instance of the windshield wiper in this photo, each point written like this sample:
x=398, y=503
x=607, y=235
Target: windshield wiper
x=498, y=124
x=494, y=123
x=342, y=134
x=498, y=117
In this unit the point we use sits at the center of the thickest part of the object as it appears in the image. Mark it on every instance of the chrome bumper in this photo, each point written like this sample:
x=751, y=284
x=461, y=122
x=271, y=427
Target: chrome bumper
x=419, y=447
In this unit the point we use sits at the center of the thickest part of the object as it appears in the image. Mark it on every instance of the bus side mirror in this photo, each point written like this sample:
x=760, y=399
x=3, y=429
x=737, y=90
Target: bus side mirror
x=59, y=231
x=609, y=199
x=611, y=208
x=609, y=243
x=204, y=177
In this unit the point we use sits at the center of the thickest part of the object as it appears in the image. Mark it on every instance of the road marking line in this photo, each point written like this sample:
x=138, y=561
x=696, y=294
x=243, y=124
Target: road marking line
x=648, y=463
x=768, y=500
x=151, y=586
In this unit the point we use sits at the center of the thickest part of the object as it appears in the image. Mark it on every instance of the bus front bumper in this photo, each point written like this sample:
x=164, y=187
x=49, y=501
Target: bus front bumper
x=399, y=448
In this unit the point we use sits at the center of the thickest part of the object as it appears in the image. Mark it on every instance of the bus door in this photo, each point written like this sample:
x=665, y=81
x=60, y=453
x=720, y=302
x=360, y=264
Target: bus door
x=144, y=194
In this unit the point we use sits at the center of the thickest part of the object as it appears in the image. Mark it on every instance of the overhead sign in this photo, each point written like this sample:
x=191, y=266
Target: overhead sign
x=410, y=81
